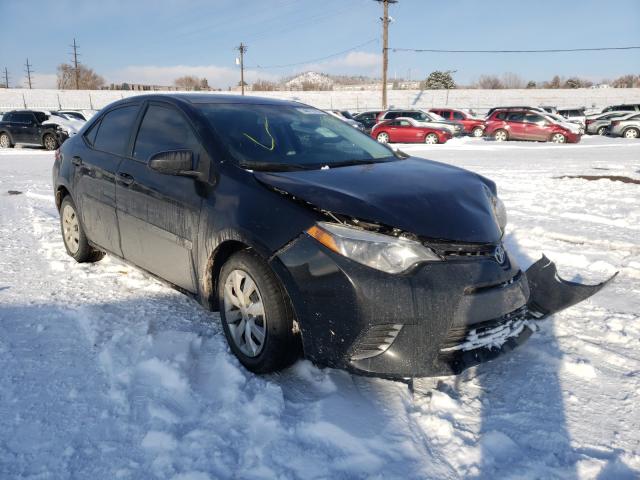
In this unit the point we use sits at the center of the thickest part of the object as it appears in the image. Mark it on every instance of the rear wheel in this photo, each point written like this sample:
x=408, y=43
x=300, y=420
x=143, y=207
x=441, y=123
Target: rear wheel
x=73, y=236
x=5, y=141
x=631, y=133
x=501, y=135
x=558, y=138
x=50, y=142
x=257, y=318
x=431, y=138
x=602, y=130
x=477, y=132
x=383, y=137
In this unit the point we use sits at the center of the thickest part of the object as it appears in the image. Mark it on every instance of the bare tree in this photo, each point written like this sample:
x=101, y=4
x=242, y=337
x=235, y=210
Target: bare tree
x=191, y=82
x=489, y=82
x=626, y=81
x=512, y=80
x=264, y=86
x=87, y=78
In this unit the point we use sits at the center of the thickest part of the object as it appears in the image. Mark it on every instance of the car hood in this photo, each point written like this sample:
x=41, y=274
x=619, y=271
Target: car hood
x=426, y=198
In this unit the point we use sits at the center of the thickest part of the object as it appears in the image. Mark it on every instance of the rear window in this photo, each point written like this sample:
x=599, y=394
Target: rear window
x=115, y=129
x=515, y=117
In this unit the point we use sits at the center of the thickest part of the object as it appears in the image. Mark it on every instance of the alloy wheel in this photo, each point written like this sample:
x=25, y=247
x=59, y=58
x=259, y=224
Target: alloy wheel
x=383, y=138
x=70, y=229
x=244, y=313
x=431, y=139
x=5, y=141
x=558, y=138
x=631, y=133
x=477, y=132
x=500, y=136
x=50, y=143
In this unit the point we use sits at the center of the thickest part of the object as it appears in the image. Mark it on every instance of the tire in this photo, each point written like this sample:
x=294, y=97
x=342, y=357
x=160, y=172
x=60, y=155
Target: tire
x=477, y=132
x=500, y=135
x=255, y=307
x=73, y=236
x=631, y=133
x=558, y=138
x=602, y=131
x=5, y=141
x=431, y=139
x=383, y=137
x=50, y=142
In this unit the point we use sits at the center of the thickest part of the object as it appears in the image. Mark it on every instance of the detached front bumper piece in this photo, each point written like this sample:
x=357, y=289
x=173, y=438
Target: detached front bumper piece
x=438, y=319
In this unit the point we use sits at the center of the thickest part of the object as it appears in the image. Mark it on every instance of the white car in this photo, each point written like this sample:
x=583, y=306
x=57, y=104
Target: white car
x=70, y=125
x=574, y=114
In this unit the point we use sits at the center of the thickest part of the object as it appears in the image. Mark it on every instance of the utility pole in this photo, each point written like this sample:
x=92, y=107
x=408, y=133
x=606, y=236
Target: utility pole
x=242, y=49
x=28, y=71
x=6, y=78
x=385, y=49
x=75, y=64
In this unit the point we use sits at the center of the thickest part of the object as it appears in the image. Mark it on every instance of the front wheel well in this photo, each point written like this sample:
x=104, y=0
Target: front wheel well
x=61, y=192
x=214, y=265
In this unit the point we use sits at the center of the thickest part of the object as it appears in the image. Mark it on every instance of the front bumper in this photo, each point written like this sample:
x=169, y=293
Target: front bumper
x=397, y=326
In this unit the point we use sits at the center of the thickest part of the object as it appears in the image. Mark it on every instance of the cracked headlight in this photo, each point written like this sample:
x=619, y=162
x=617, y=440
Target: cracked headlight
x=500, y=213
x=382, y=252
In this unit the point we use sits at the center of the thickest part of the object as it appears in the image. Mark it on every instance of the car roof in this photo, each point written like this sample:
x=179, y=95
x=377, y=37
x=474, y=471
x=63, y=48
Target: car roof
x=201, y=98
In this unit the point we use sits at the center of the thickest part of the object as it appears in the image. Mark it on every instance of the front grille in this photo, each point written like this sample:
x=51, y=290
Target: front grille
x=489, y=334
x=451, y=250
x=376, y=341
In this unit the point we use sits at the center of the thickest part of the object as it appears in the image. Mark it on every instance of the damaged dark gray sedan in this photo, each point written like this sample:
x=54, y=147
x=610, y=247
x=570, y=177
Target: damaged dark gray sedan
x=310, y=237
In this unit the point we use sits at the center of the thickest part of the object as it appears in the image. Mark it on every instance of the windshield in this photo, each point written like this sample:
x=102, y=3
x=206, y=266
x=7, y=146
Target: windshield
x=283, y=137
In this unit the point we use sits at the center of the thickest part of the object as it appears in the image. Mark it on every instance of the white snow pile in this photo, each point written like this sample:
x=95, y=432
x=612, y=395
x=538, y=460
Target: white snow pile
x=106, y=373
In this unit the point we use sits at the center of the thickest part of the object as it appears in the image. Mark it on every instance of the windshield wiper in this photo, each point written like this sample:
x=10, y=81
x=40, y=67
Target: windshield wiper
x=348, y=163
x=272, y=166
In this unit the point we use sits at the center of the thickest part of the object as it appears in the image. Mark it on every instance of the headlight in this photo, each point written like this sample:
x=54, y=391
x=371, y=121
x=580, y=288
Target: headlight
x=500, y=212
x=375, y=250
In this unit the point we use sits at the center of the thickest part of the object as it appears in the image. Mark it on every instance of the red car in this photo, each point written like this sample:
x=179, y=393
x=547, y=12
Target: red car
x=523, y=124
x=471, y=125
x=408, y=130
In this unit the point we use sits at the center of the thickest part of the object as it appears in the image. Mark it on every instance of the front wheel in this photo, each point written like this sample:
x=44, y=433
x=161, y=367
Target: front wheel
x=602, y=130
x=257, y=318
x=50, y=142
x=431, y=138
x=73, y=236
x=383, y=137
x=477, y=132
x=631, y=133
x=5, y=141
x=558, y=138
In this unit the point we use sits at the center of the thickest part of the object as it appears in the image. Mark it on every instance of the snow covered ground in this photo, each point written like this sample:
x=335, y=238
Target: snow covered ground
x=108, y=374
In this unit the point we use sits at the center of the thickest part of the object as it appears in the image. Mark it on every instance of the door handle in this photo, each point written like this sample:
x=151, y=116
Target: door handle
x=76, y=160
x=125, y=178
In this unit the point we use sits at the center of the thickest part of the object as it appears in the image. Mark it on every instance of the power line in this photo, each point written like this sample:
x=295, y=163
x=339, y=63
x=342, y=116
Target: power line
x=549, y=50
x=28, y=71
x=262, y=67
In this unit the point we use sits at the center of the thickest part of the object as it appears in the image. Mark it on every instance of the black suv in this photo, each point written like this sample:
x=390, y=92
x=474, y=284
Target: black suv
x=307, y=235
x=26, y=126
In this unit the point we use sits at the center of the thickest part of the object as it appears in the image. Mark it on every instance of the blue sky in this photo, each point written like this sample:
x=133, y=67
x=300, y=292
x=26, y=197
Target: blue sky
x=156, y=41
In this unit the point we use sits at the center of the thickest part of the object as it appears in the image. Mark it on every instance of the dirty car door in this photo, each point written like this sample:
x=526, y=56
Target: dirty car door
x=95, y=165
x=158, y=213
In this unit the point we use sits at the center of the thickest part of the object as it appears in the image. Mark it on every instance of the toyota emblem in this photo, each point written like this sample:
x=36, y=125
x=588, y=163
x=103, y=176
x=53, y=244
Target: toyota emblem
x=499, y=254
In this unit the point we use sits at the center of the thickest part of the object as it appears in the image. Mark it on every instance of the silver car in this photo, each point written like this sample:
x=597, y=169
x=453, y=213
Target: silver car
x=599, y=124
x=627, y=126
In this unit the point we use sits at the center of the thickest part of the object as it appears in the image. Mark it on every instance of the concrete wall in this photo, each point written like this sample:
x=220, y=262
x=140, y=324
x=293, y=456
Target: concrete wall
x=352, y=100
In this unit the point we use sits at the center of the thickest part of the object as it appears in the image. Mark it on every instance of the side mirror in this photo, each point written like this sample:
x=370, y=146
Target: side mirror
x=174, y=162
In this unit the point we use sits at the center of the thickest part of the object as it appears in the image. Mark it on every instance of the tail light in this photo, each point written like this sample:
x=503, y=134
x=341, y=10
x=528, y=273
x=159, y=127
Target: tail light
x=613, y=124
x=589, y=121
x=57, y=155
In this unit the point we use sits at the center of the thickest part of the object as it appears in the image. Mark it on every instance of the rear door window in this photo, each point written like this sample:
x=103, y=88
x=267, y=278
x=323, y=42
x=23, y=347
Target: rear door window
x=115, y=130
x=163, y=129
x=515, y=117
x=25, y=118
x=533, y=118
x=458, y=116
